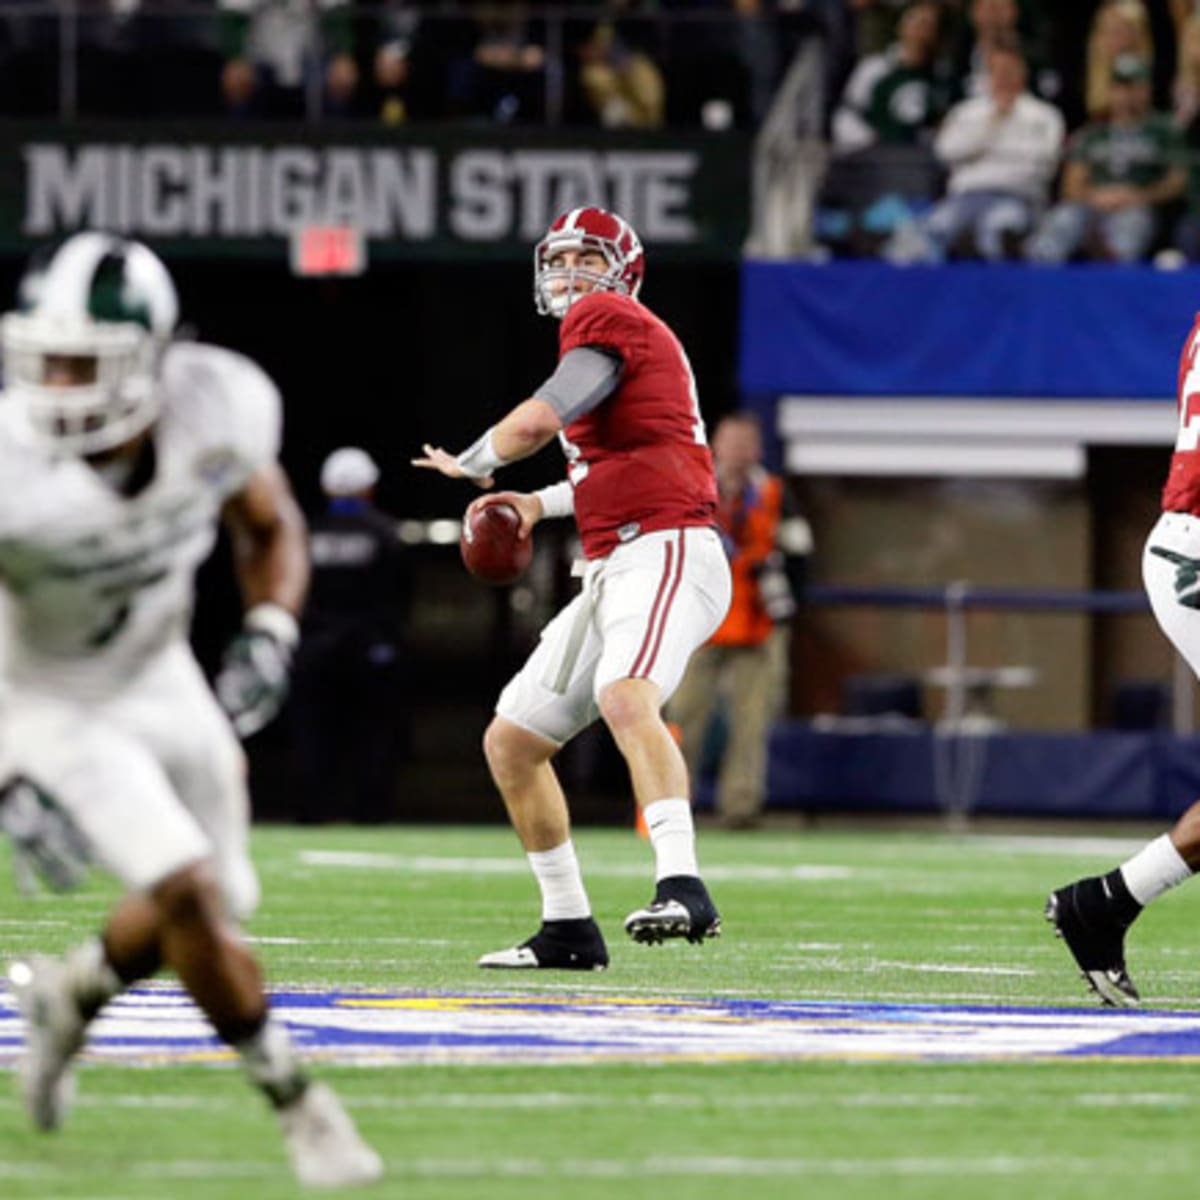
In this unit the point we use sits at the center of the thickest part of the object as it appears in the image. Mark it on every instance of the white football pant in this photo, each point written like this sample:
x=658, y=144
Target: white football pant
x=153, y=775
x=642, y=612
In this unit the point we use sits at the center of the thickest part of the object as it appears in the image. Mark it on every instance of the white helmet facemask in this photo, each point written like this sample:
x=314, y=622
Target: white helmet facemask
x=582, y=230
x=106, y=309
x=554, y=301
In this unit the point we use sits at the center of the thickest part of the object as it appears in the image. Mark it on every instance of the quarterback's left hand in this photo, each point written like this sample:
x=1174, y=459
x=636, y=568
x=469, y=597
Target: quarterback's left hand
x=255, y=673
x=437, y=459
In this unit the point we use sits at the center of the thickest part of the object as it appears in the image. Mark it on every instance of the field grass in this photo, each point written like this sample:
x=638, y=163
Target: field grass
x=890, y=917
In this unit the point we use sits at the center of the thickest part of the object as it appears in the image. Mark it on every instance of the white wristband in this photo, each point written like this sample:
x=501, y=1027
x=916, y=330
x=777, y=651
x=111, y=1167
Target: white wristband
x=558, y=500
x=480, y=458
x=275, y=620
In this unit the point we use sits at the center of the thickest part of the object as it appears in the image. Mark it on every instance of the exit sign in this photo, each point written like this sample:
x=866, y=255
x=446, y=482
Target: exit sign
x=318, y=250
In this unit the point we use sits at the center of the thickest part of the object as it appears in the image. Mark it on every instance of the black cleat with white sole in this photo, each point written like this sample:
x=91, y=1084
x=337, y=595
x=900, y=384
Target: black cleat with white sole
x=575, y=945
x=1091, y=916
x=681, y=908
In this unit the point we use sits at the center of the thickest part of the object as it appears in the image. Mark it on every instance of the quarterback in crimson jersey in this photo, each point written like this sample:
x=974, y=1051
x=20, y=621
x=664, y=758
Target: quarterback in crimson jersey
x=656, y=583
x=1093, y=914
x=639, y=462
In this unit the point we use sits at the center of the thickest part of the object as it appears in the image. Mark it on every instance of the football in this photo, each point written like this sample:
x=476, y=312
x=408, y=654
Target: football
x=490, y=547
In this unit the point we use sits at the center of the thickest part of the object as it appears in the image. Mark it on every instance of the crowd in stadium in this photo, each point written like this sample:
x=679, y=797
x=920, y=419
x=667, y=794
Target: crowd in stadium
x=1093, y=161
x=1000, y=129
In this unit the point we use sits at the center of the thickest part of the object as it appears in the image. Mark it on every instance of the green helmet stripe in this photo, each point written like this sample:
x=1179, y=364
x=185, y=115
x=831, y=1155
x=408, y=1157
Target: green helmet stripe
x=108, y=298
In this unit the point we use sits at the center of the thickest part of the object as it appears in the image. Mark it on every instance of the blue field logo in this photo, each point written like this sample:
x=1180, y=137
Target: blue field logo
x=159, y=1025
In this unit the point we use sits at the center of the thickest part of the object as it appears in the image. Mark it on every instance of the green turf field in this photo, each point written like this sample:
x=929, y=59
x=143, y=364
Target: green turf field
x=879, y=916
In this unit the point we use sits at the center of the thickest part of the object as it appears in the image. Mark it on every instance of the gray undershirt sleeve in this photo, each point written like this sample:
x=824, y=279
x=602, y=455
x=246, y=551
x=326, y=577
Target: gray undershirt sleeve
x=584, y=377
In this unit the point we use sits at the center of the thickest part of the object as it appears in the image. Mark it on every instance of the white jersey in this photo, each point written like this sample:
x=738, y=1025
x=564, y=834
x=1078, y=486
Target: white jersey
x=100, y=583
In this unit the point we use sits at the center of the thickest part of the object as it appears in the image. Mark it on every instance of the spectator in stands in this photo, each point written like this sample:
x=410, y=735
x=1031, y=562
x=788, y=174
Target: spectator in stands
x=1001, y=22
x=503, y=74
x=346, y=716
x=125, y=52
x=706, y=62
x=1185, y=239
x=896, y=97
x=745, y=663
x=883, y=172
x=875, y=23
x=1181, y=10
x=990, y=23
x=1002, y=151
x=1120, y=173
x=621, y=82
x=1119, y=29
x=1185, y=93
x=272, y=47
x=390, y=76
x=398, y=25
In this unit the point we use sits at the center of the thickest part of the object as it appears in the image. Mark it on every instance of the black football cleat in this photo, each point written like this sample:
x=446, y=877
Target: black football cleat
x=1091, y=916
x=681, y=908
x=576, y=945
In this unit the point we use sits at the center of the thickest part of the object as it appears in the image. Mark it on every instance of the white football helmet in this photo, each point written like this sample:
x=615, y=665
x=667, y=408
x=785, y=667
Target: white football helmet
x=100, y=298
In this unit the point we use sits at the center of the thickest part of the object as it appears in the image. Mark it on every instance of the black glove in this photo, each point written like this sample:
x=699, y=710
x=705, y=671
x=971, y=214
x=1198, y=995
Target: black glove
x=47, y=844
x=255, y=673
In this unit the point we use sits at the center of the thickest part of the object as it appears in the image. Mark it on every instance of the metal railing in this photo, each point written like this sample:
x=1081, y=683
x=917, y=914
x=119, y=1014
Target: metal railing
x=64, y=35
x=961, y=737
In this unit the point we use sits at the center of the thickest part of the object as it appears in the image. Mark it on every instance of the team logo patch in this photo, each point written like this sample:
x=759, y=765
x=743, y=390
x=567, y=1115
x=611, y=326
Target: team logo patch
x=160, y=1025
x=217, y=467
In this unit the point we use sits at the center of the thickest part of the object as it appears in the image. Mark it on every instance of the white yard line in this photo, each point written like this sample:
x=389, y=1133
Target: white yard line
x=457, y=865
x=741, y=1167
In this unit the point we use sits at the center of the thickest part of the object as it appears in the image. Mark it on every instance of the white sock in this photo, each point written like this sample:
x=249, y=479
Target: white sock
x=673, y=837
x=90, y=977
x=1155, y=869
x=271, y=1063
x=558, y=875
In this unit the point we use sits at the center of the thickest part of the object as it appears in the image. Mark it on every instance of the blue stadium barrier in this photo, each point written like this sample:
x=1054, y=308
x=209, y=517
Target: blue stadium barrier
x=873, y=765
x=962, y=595
x=1104, y=774
x=871, y=329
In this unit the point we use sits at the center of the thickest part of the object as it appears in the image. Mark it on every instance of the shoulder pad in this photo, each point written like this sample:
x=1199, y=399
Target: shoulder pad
x=226, y=406
x=602, y=319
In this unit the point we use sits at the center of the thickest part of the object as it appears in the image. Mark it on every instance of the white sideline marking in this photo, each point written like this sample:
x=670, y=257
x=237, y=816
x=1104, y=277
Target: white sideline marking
x=373, y=861
x=946, y=968
x=996, y=1165
x=1135, y=1099
x=1098, y=847
x=182, y=1168
x=665, y=1167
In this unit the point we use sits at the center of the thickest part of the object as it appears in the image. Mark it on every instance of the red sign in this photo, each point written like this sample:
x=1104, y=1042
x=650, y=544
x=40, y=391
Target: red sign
x=328, y=250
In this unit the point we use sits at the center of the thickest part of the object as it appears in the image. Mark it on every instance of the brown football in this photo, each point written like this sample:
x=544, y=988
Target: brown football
x=490, y=547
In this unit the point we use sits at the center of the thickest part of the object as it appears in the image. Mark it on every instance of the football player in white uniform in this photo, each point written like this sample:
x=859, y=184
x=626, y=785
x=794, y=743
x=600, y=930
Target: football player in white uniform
x=121, y=451
x=1094, y=914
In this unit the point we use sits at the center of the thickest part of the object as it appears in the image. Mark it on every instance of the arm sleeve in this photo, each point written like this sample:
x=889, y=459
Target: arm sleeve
x=558, y=500
x=850, y=129
x=584, y=377
x=964, y=133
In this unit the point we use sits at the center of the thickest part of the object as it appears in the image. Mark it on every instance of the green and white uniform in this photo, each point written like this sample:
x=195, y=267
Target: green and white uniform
x=104, y=706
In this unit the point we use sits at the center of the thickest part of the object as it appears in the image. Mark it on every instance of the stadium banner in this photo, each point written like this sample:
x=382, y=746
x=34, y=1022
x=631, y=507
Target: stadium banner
x=966, y=331
x=414, y=192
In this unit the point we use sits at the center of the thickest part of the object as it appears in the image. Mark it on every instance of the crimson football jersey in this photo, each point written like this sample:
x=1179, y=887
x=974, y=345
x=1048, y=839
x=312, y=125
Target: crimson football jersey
x=1182, y=490
x=639, y=461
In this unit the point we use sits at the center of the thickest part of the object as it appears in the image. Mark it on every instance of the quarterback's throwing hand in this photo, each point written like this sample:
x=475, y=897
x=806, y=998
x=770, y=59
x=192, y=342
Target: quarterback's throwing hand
x=255, y=673
x=437, y=459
